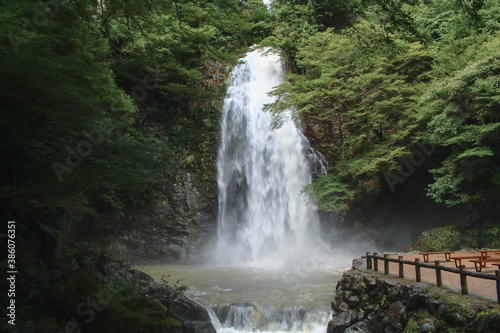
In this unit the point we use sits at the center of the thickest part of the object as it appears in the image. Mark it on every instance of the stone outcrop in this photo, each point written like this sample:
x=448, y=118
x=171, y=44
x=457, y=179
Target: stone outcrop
x=174, y=229
x=193, y=317
x=371, y=302
x=326, y=135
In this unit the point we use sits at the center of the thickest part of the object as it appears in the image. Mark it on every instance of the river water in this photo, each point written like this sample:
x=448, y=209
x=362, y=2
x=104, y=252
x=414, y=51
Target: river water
x=268, y=268
x=251, y=299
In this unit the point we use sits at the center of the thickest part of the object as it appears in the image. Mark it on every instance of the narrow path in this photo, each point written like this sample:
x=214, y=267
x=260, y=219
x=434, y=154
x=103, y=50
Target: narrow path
x=481, y=287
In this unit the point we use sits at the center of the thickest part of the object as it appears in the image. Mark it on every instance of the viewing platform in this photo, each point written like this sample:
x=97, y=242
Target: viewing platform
x=476, y=272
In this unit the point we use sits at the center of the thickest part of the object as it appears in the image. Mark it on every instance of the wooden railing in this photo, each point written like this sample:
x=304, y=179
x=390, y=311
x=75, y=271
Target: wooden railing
x=436, y=266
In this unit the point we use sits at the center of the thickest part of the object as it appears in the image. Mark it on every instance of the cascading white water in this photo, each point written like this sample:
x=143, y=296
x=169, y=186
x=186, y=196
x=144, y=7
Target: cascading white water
x=262, y=217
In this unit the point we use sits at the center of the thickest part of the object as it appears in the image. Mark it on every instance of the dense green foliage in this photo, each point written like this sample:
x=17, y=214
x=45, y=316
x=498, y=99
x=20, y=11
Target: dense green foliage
x=411, y=86
x=102, y=101
x=453, y=238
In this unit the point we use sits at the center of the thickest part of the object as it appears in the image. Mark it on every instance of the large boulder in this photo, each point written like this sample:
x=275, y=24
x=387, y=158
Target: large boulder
x=193, y=316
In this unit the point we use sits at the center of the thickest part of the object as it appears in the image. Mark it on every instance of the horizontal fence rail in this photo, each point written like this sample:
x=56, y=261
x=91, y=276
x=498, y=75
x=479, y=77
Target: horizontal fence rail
x=372, y=263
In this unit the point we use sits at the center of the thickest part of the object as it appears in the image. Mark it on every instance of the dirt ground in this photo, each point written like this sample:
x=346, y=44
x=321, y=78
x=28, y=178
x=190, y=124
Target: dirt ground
x=479, y=287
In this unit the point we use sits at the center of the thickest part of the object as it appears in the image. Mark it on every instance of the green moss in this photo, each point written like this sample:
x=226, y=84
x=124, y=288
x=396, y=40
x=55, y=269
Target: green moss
x=365, y=301
x=487, y=321
x=443, y=326
x=457, y=314
x=417, y=322
x=412, y=326
x=383, y=302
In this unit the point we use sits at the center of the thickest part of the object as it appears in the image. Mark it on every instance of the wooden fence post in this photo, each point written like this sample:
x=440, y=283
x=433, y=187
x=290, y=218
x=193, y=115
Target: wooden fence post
x=386, y=264
x=401, y=267
x=463, y=280
x=375, y=262
x=368, y=261
x=439, y=278
x=497, y=275
x=418, y=277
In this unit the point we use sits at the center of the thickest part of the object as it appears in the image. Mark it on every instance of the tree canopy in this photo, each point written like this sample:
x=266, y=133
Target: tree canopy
x=409, y=87
x=101, y=100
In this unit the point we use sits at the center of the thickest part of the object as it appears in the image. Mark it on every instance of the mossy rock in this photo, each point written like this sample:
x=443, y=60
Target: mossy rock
x=412, y=326
x=134, y=315
x=457, y=313
x=421, y=325
x=487, y=321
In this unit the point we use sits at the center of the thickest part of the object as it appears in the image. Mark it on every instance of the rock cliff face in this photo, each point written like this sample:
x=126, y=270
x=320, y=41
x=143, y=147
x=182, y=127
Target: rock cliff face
x=174, y=229
x=326, y=136
x=366, y=302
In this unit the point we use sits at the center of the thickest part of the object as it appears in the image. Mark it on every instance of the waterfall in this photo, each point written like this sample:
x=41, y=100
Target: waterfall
x=271, y=271
x=263, y=218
